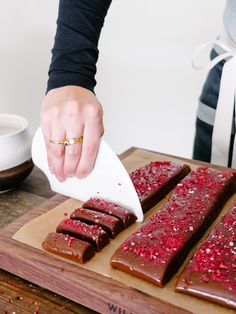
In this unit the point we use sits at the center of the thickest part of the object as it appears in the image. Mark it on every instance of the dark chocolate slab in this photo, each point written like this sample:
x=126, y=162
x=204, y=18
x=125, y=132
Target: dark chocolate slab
x=156, y=179
x=156, y=250
x=211, y=273
x=110, y=208
x=110, y=224
x=68, y=247
x=92, y=234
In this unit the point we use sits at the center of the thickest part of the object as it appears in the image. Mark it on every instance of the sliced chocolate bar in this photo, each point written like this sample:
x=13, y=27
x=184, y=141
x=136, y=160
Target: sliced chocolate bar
x=110, y=224
x=211, y=273
x=68, y=247
x=156, y=250
x=155, y=180
x=112, y=209
x=92, y=234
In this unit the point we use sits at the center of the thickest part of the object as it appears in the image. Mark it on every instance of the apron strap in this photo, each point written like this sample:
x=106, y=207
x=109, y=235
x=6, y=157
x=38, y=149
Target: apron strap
x=222, y=128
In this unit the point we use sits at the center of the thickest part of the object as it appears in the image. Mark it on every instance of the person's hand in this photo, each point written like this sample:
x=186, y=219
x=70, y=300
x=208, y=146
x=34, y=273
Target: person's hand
x=71, y=112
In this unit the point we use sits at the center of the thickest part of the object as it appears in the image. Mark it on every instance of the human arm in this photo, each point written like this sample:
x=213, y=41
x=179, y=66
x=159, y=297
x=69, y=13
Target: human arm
x=70, y=108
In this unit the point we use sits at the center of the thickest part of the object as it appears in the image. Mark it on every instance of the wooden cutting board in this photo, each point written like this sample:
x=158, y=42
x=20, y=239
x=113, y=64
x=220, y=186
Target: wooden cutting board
x=95, y=284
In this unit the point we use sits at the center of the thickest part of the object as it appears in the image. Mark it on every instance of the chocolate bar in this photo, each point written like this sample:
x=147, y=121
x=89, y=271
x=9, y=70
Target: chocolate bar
x=112, y=209
x=92, y=234
x=156, y=250
x=68, y=247
x=110, y=224
x=155, y=180
x=211, y=273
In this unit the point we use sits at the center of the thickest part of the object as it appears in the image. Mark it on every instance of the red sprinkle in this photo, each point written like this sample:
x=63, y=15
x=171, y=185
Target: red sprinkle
x=152, y=176
x=36, y=311
x=80, y=226
x=170, y=228
x=70, y=240
x=110, y=208
x=214, y=261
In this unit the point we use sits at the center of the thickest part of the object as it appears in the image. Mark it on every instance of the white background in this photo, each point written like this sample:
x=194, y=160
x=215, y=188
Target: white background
x=146, y=84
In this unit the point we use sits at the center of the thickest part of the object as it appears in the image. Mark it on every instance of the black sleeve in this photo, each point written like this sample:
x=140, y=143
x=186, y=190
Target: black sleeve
x=75, y=51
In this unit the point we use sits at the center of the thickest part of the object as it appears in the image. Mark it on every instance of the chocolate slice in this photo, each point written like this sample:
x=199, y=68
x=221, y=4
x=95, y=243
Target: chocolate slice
x=68, y=247
x=211, y=273
x=155, y=180
x=112, y=209
x=156, y=250
x=110, y=224
x=93, y=234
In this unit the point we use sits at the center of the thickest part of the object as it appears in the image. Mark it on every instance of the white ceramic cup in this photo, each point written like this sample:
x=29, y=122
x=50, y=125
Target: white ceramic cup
x=15, y=141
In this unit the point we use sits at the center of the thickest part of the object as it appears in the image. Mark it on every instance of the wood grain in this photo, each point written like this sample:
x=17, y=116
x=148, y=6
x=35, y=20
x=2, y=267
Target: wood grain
x=20, y=296
x=93, y=290
x=16, y=203
x=37, y=184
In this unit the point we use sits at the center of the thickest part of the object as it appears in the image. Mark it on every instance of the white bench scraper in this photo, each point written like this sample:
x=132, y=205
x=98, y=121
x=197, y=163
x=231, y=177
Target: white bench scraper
x=108, y=180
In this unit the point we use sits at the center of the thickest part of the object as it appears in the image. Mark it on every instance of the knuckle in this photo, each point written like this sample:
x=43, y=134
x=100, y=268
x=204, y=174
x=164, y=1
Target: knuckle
x=91, y=149
x=50, y=114
x=73, y=152
x=55, y=112
x=94, y=111
x=44, y=117
x=58, y=152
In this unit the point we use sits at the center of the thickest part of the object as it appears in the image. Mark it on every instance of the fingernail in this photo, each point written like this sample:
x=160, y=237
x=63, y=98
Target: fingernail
x=61, y=179
x=70, y=175
x=81, y=176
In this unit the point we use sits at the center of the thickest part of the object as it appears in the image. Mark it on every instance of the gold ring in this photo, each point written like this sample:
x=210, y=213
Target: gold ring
x=56, y=142
x=68, y=141
x=73, y=140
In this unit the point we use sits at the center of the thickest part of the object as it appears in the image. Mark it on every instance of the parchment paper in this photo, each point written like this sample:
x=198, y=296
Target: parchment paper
x=34, y=232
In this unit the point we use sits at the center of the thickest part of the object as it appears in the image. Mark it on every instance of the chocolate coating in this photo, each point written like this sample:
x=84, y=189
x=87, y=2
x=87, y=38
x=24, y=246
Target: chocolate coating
x=211, y=273
x=92, y=234
x=112, y=209
x=110, y=224
x=68, y=247
x=156, y=250
x=155, y=180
